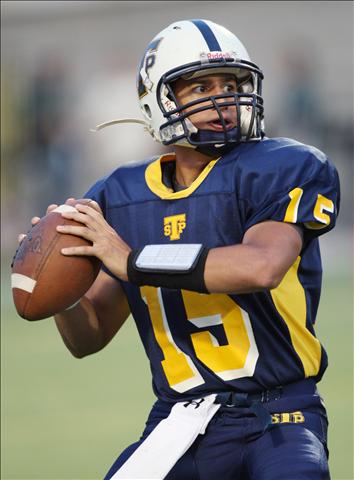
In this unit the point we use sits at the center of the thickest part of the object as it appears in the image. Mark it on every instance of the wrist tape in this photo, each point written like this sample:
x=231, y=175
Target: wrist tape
x=179, y=266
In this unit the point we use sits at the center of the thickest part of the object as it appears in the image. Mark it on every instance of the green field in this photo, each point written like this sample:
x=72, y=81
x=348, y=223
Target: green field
x=64, y=418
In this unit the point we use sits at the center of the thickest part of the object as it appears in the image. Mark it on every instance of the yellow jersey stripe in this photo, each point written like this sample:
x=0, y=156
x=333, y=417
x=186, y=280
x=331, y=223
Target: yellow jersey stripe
x=153, y=177
x=290, y=301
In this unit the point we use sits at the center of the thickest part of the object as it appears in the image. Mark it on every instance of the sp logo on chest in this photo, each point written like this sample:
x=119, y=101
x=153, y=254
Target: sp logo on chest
x=174, y=226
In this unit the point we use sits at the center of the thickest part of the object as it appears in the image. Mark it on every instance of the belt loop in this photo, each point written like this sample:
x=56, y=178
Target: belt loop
x=263, y=415
x=225, y=398
x=278, y=393
x=233, y=399
x=240, y=399
x=267, y=396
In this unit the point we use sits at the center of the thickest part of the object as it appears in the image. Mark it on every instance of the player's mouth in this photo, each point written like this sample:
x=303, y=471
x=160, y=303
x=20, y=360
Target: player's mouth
x=217, y=125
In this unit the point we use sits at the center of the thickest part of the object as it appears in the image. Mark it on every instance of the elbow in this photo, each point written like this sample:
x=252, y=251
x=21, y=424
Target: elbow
x=269, y=276
x=82, y=353
x=78, y=355
x=269, y=281
x=74, y=351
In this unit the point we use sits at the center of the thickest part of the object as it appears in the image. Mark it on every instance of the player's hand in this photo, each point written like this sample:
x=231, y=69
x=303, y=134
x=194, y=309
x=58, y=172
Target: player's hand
x=35, y=220
x=107, y=245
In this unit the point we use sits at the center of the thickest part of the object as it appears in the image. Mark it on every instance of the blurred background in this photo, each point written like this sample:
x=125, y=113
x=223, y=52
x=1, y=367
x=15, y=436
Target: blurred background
x=67, y=66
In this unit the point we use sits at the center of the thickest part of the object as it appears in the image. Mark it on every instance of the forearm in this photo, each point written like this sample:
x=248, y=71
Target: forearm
x=241, y=269
x=80, y=329
x=89, y=326
x=259, y=263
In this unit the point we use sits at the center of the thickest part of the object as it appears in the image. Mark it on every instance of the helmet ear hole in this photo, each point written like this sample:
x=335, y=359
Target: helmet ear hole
x=147, y=110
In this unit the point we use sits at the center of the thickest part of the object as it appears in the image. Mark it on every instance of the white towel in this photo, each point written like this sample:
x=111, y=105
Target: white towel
x=170, y=439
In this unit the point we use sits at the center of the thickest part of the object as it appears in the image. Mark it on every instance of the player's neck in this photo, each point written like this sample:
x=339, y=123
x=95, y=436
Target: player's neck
x=189, y=164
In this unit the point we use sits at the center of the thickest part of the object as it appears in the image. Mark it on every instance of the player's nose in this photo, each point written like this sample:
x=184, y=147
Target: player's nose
x=222, y=101
x=220, y=90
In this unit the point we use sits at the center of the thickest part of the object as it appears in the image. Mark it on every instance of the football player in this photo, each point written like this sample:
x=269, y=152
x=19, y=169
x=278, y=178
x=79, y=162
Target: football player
x=213, y=249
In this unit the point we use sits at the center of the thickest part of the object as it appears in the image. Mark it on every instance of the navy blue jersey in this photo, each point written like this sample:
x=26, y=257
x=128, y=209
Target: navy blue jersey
x=202, y=343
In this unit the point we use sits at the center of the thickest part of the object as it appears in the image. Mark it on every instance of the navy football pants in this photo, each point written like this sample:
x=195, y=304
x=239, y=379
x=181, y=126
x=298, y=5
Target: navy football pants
x=235, y=447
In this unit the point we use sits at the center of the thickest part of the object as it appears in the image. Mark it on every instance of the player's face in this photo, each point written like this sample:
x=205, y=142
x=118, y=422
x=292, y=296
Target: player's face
x=206, y=86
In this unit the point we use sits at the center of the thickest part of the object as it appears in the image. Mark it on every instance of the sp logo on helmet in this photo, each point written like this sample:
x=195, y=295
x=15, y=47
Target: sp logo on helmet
x=147, y=62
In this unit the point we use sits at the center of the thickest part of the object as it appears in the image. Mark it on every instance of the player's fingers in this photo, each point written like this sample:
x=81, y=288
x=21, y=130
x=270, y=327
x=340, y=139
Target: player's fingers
x=93, y=204
x=35, y=220
x=51, y=207
x=72, y=201
x=84, y=201
x=79, y=251
x=93, y=210
x=21, y=237
x=83, y=232
x=86, y=215
x=79, y=217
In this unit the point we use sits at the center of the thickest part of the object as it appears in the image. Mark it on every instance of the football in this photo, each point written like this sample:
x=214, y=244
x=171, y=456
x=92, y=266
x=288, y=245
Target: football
x=43, y=280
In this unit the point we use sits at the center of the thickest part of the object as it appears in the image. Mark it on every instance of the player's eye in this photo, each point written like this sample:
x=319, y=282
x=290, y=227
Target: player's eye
x=230, y=87
x=199, y=89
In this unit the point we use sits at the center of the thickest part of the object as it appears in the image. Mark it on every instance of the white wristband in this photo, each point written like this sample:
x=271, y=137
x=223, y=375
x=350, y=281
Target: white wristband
x=180, y=257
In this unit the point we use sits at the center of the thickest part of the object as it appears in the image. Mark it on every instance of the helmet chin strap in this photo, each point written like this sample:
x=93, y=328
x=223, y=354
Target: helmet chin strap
x=214, y=139
x=122, y=120
x=213, y=151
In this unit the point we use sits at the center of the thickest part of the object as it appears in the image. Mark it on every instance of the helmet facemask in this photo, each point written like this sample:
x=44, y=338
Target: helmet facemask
x=247, y=101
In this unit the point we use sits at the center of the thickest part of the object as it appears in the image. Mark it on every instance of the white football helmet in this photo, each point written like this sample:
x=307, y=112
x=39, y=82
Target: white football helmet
x=189, y=49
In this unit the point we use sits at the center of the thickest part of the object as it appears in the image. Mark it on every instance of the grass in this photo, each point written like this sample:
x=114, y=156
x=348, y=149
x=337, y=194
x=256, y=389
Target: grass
x=64, y=418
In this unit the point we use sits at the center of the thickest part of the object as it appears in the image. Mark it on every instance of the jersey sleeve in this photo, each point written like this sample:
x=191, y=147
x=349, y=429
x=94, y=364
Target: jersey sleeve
x=303, y=191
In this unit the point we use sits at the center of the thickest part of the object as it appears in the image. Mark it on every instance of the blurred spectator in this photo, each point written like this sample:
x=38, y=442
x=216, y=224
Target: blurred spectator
x=300, y=108
x=51, y=148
